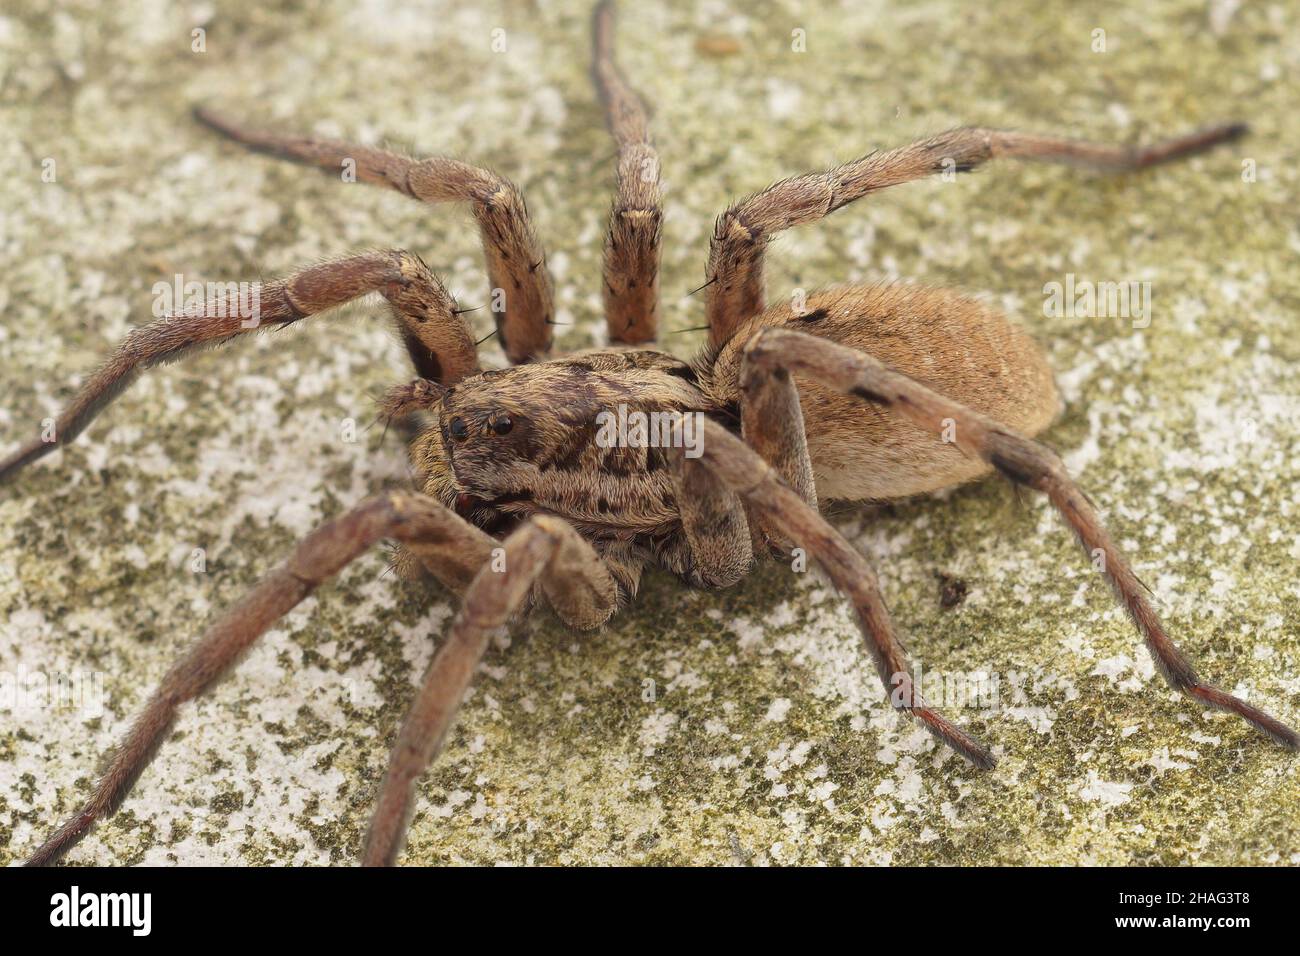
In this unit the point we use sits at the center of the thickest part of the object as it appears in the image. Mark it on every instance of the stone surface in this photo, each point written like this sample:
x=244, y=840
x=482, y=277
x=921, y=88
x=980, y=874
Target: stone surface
x=737, y=727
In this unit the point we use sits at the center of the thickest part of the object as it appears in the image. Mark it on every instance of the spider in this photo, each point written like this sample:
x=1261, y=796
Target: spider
x=858, y=393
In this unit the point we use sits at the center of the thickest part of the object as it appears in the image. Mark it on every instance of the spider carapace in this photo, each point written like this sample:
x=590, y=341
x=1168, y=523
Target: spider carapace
x=852, y=393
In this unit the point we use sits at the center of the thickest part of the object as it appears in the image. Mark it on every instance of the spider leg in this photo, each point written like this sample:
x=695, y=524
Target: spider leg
x=719, y=548
x=412, y=519
x=522, y=295
x=439, y=342
x=740, y=469
x=1021, y=460
x=723, y=531
x=735, y=270
x=545, y=551
x=631, y=270
x=771, y=423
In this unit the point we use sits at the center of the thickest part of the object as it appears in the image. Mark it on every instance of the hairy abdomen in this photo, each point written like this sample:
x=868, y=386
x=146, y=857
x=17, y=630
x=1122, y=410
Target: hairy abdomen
x=949, y=342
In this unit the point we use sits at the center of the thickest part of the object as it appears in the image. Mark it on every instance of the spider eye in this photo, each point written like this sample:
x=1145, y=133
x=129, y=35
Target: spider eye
x=458, y=429
x=502, y=424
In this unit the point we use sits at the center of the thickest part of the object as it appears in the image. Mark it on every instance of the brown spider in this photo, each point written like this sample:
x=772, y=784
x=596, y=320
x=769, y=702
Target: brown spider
x=899, y=390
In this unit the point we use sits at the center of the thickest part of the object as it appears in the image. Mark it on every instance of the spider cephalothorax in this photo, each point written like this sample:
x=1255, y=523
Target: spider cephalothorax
x=528, y=440
x=538, y=483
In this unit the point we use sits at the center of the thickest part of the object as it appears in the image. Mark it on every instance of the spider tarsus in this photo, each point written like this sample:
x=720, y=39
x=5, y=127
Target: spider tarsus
x=1190, y=144
x=953, y=736
x=1268, y=724
x=23, y=456
x=1233, y=131
x=216, y=121
x=63, y=839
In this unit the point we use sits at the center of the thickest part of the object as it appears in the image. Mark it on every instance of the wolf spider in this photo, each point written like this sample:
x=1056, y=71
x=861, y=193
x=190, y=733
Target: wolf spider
x=865, y=393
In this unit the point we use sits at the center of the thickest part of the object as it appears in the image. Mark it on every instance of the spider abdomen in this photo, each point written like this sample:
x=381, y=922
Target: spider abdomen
x=950, y=342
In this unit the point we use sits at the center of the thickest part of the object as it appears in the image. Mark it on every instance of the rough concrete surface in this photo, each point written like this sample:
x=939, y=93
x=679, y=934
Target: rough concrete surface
x=705, y=728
